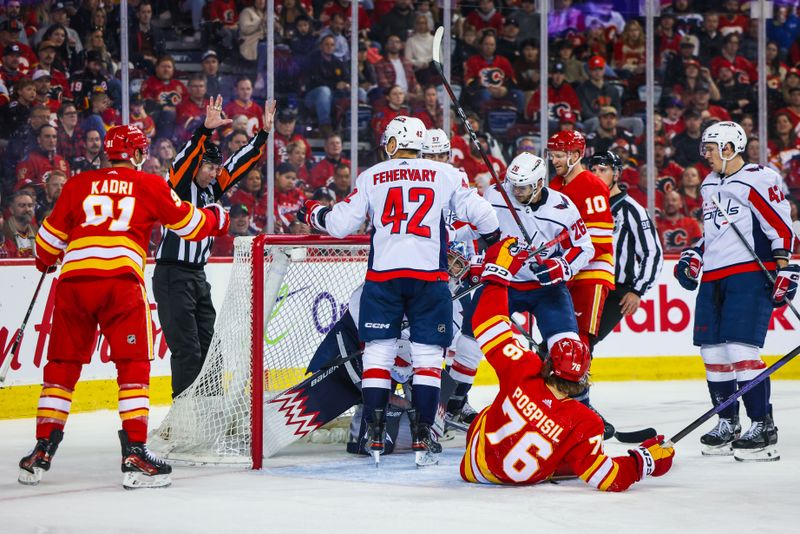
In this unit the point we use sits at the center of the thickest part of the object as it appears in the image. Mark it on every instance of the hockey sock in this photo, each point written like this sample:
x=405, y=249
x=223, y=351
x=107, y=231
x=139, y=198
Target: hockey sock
x=747, y=365
x=133, y=377
x=55, y=399
x=376, y=381
x=720, y=377
x=425, y=398
x=374, y=397
x=720, y=391
x=756, y=401
x=459, y=397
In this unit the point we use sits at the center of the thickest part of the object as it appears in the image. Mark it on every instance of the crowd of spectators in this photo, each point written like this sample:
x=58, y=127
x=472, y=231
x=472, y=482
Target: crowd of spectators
x=60, y=91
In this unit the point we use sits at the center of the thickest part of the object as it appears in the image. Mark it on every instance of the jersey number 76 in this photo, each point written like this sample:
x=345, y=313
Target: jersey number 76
x=394, y=210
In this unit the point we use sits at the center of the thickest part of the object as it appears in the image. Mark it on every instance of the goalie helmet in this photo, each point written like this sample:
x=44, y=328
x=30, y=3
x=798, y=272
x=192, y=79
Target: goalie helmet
x=570, y=359
x=567, y=141
x=407, y=132
x=436, y=142
x=458, y=261
x=526, y=169
x=122, y=142
x=722, y=133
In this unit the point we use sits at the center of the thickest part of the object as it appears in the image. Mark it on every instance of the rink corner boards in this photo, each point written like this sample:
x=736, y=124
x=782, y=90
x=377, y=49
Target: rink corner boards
x=18, y=401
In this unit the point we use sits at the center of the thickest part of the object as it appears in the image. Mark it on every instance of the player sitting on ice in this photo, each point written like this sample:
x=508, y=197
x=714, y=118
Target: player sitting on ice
x=407, y=271
x=532, y=427
x=734, y=304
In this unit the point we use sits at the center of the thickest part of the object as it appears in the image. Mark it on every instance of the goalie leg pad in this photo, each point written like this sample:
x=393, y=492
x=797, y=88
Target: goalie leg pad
x=328, y=350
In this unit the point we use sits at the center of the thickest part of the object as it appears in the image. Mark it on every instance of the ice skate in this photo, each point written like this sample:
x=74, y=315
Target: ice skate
x=376, y=434
x=141, y=468
x=758, y=444
x=33, y=466
x=717, y=442
x=426, y=448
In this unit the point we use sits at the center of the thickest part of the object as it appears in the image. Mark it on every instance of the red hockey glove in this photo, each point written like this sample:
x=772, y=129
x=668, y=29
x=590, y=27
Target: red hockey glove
x=475, y=269
x=223, y=221
x=652, y=458
x=785, y=285
x=42, y=267
x=552, y=271
x=313, y=214
x=503, y=260
x=687, y=270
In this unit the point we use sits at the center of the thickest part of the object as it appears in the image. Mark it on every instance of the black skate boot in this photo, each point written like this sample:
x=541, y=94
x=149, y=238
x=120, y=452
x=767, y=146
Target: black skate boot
x=717, y=442
x=33, y=466
x=376, y=434
x=424, y=444
x=758, y=444
x=608, y=428
x=141, y=468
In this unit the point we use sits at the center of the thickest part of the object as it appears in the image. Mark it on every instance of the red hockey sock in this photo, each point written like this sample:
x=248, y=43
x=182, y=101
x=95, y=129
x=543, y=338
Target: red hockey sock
x=133, y=378
x=56, y=396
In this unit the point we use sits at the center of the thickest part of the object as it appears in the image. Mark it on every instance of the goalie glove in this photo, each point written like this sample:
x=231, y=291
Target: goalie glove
x=552, y=271
x=687, y=270
x=785, y=285
x=313, y=214
x=223, y=221
x=652, y=458
x=503, y=260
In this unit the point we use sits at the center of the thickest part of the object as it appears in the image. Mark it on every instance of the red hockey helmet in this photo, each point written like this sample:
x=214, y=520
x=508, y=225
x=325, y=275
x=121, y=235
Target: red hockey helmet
x=122, y=141
x=566, y=141
x=570, y=359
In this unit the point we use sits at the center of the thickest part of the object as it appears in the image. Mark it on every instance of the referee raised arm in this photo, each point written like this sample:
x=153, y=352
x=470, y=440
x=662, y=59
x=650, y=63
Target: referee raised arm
x=183, y=295
x=637, y=249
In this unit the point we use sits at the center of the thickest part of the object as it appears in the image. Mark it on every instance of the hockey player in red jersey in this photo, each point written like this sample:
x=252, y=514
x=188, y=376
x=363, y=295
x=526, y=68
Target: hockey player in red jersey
x=99, y=229
x=590, y=194
x=532, y=428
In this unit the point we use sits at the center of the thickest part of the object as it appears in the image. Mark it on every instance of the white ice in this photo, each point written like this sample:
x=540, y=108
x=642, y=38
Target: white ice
x=321, y=489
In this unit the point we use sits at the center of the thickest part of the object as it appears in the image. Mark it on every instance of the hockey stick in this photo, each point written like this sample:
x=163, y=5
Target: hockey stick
x=437, y=60
x=749, y=247
x=12, y=354
x=730, y=400
x=553, y=242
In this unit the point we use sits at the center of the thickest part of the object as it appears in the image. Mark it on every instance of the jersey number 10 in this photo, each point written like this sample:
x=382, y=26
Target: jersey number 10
x=394, y=210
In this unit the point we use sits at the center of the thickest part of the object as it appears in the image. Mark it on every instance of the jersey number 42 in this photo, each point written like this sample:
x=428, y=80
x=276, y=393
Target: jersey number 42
x=395, y=214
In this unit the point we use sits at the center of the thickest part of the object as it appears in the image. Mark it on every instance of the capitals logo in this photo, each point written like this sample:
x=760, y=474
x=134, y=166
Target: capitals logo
x=712, y=214
x=492, y=77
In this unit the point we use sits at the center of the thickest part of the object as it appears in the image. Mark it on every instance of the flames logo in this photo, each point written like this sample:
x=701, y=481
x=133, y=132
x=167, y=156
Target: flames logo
x=676, y=239
x=492, y=77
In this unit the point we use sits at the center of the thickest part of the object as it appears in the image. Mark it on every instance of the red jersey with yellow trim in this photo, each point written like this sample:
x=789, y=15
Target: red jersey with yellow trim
x=679, y=233
x=488, y=73
x=102, y=221
x=251, y=110
x=527, y=432
x=169, y=93
x=590, y=194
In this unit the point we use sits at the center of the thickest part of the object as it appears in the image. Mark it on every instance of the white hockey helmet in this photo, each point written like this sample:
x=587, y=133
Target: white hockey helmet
x=436, y=142
x=526, y=169
x=722, y=133
x=408, y=134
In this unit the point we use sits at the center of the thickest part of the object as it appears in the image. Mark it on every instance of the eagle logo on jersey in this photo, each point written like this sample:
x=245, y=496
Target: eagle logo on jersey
x=562, y=205
x=492, y=77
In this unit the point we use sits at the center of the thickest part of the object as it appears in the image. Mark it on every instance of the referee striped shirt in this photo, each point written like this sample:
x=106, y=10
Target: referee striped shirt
x=638, y=250
x=173, y=249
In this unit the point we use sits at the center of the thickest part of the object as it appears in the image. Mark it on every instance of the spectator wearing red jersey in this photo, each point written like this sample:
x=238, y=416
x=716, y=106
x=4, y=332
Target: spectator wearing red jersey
x=687, y=143
x=700, y=100
x=243, y=104
x=70, y=143
x=46, y=94
x=344, y=8
x=19, y=227
x=53, y=185
x=285, y=134
x=489, y=76
x=395, y=69
x=240, y=227
x=668, y=40
x=342, y=183
x=690, y=192
x=629, y=53
x=224, y=19
x=793, y=107
x=296, y=155
x=395, y=106
x=191, y=111
x=288, y=196
x=668, y=173
x=47, y=55
x=250, y=193
x=140, y=118
x=784, y=143
x=162, y=94
x=676, y=230
x=42, y=159
x=476, y=169
x=146, y=42
x=11, y=71
x=673, y=117
x=486, y=16
x=322, y=172
x=561, y=97
x=8, y=249
x=732, y=20
x=730, y=54
x=431, y=112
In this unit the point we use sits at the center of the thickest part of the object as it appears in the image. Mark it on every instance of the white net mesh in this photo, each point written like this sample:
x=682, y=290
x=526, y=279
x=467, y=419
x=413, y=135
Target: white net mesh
x=210, y=421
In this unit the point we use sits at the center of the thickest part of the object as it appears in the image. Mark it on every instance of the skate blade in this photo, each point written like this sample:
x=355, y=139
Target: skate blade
x=767, y=454
x=722, y=450
x=376, y=457
x=425, y=459
x=448, y=435
x=138, y=480
x=30, y=479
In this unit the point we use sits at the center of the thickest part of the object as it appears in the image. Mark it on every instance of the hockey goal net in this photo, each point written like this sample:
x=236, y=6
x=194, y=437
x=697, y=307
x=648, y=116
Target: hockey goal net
x=284, y=294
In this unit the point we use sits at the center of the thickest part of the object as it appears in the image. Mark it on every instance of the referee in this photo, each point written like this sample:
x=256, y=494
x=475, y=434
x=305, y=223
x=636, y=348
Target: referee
x=637, y=247
x=182, y=293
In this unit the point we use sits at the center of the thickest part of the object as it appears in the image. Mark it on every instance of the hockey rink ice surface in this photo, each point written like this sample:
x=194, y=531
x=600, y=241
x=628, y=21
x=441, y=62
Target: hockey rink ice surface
x=322, y=489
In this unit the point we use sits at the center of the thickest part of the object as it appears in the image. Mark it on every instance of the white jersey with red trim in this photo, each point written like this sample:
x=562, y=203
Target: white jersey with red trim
x=553, y=215
x=405, y=200
x=755, y=202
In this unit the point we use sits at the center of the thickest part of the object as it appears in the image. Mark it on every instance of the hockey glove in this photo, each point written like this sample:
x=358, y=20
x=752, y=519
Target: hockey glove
x=652, y=458
x=42, y=267
x=552, y=271
x=475, y=268
x=313, y=214
x=503, y=260
x=223, y=221
x=785, y=285
x=687, y=270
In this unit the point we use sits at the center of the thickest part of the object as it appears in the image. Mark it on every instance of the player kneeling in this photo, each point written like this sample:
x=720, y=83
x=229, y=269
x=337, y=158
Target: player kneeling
x=533, y=428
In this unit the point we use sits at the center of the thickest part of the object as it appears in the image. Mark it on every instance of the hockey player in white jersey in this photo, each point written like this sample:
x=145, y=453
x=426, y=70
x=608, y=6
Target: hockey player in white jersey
x=735, y=301
x=407, y=270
